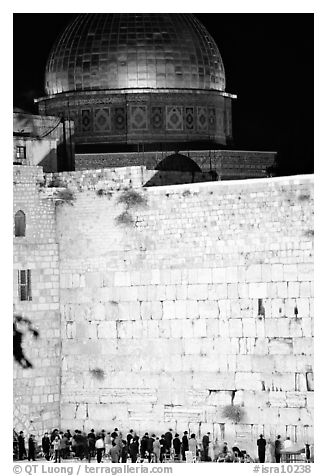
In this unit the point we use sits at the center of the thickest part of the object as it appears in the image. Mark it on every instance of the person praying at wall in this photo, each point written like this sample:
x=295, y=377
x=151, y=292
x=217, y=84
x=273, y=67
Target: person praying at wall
x=205, y=446
x=56, y=449
x=107, y=444
x=46, y=444
x=177, y=446
x=134, y=449
x=21, y=446
x=99, y=447
x=184, y=445
x=193, y=445
x=169, y=439
x=162, y=442
x=261, y=443
x=129, y=438
x=124, y=452
x=91, y=443
x=114, y=453
x=278, y=448
x=31, y=448
x=156, y=450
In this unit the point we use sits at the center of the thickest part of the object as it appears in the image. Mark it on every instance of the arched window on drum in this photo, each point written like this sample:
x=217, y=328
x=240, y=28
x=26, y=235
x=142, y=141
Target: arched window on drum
x=20, y=223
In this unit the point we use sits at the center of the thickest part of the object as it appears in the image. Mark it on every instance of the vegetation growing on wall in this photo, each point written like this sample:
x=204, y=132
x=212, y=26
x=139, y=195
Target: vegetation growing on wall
x=234, y=413
x=97, y=373
x=130, y=199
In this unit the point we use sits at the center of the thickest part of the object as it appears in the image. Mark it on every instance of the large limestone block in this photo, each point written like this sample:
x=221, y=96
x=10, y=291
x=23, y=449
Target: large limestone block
x=244, y=363
x=248, y=381
x=224, y=308
x=197, y=291
x=277, y=272
x=208, y=309
x=192, y=309
x=293, y=289
x=290, y=272
x=305, y=271
x=289, y=415
x=307, y=327
x=171, y=292
x=219, y=275
x=235, y=309
x=261, y=363
x=181, y=309
x=199, y=328
x=176, y=328
x=258, y=290
x=232, y=291
x=165, y=328
x=232, y=274
x=100, y=311
x=181, y=292
x=305, y=289
x=192, y=346
x=280, y=346
x=282, y=291
x=303, y=306
x=124, y=311
x=168, y=310
x=235, y=328
x=254, y=273
x=214, y=381
x=223, y=325
x=217, y=291
x=277, y=399
x=124, y=329
x=127, y=293
x=295, y=399
x=303, y=346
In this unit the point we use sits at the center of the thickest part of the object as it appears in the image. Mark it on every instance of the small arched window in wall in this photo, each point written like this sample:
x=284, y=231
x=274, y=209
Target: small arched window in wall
x=20, y=223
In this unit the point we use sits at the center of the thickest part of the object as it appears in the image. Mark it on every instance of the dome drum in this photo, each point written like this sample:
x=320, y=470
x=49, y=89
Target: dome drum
x=149, y=117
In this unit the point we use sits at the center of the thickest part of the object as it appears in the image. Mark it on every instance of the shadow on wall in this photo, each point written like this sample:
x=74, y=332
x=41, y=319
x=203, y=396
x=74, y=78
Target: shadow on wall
x=173, y=177
x=178, y=169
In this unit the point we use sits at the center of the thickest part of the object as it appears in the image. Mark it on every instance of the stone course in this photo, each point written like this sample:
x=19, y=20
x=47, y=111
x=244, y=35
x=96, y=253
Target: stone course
x=202, y=299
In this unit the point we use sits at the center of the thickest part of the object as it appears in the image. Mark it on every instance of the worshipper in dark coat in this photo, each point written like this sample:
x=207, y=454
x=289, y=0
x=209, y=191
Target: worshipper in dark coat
x=134, y=449
x=31, y=448
x=129, y=438
x=177, y=445
x=21, y=446
x=91, y=443
x=278, y=448
x=205, y=446
x=124, y=452
x=261, y=443
x=150, y=446
x=144, y=444
x=162, y=442
x=169, y=439
x=46, y=444
x=184, y=445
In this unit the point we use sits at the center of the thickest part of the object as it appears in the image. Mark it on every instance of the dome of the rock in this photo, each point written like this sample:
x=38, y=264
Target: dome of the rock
x=151, y=80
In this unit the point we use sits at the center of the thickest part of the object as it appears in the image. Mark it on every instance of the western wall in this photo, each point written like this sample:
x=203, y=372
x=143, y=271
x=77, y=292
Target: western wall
x=160, y=306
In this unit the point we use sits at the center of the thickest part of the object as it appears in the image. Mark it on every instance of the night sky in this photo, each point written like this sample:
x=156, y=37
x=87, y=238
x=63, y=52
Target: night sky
x=268, y=61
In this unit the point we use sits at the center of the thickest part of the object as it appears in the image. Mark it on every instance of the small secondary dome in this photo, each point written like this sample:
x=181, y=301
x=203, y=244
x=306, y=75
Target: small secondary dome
x=134, y=50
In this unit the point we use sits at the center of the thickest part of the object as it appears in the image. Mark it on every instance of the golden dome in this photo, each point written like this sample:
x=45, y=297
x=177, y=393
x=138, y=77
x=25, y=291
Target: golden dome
x=134, y=51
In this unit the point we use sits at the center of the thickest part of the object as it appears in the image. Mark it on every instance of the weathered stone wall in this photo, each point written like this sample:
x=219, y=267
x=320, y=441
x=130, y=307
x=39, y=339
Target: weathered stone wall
x=174, y=303
x=36, y=390
x=199, y=296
